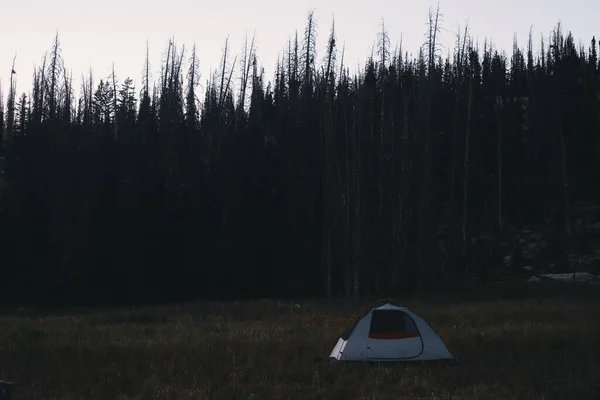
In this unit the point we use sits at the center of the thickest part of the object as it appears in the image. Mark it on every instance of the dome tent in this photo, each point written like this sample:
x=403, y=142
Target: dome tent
x=390, y=333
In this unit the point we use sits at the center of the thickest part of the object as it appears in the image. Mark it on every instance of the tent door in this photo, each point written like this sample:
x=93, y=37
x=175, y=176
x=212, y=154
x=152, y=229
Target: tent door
x=393, y=334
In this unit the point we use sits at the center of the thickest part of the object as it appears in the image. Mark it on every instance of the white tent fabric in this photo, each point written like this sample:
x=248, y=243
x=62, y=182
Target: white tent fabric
x=390, y=333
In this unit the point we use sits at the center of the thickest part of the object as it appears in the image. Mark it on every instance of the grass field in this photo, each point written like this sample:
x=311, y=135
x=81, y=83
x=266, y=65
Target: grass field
x=543, y=347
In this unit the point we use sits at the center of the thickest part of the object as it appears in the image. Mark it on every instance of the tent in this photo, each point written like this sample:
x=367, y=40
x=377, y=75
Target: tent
x=390, y=333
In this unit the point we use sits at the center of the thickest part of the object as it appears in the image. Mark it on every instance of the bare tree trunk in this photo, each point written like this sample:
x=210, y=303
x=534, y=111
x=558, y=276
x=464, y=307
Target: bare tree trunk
x=10, y=112
x=384, y=43
x=564, y=175
x=247, y=62
x=330, y=165
x=563, y=150
x=454, y=239
x=465, y=209
x=146, y=77
x=356, y=226
x=399, y=229
x=425, y=209
x=308, y=51
x=357, y=243
x=41, y=104
x=349, y=181
x=396, y=209
x=499, y=146
x=223, y=68
x=326, y=218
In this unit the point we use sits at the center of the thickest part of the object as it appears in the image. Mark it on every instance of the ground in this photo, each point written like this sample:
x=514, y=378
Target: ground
x=532, y=342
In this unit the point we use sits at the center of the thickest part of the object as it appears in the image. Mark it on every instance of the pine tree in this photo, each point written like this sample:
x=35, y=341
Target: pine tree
x=23, y=114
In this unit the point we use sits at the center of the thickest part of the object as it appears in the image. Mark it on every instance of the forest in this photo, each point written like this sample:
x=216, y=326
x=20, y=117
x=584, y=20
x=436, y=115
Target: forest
x=318, y=181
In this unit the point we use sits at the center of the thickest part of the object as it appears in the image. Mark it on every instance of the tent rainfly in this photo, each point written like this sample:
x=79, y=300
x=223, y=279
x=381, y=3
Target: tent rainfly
x=390, y=333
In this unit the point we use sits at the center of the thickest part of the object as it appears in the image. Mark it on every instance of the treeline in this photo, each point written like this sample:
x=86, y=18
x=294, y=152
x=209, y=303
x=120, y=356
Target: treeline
x=319, y=182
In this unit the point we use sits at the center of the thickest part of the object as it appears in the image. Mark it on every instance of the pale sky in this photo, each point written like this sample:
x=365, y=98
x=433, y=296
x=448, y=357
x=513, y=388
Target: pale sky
x=97, y=33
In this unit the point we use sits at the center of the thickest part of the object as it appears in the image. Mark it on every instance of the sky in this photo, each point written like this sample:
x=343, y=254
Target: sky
x=96, y=34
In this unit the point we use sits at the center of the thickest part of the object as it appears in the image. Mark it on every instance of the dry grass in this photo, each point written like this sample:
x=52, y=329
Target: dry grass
x=545, y=348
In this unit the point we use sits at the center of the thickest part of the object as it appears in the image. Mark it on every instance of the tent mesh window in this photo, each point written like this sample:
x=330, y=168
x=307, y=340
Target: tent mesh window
x=391, y=324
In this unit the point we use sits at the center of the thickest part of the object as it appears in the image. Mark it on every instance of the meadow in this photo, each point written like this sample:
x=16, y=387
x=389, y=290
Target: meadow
x=526, y=343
